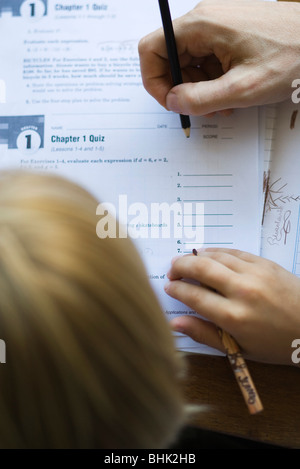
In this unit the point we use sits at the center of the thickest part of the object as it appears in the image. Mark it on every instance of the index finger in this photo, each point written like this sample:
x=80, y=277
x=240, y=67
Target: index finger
x=192, y=45
x=206, y=271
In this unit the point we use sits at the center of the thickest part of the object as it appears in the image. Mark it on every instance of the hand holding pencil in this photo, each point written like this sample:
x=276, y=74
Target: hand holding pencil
x=221, y=71
x=256, y=301
x=240, y=370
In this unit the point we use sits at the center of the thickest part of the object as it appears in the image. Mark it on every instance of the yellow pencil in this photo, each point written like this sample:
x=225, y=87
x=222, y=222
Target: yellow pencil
x=241, y=373
x=240, y=370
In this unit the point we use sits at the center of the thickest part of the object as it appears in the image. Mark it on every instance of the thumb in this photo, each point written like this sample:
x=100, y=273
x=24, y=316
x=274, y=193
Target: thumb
x=200, y=330
x=206, y=97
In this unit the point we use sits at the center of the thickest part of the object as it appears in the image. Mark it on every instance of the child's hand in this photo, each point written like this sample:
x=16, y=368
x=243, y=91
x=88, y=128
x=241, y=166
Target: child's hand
x=255, y=300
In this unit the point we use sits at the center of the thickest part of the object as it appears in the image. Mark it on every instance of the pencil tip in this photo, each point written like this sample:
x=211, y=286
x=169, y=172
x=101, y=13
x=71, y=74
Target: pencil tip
x=187, y=132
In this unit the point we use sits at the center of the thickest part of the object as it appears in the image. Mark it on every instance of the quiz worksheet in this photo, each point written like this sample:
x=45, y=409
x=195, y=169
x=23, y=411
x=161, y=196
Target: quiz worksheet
x=72, y=103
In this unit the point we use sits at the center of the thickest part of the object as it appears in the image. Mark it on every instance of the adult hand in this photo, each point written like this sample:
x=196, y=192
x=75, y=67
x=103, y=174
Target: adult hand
x=233, y=54
x=254, y=299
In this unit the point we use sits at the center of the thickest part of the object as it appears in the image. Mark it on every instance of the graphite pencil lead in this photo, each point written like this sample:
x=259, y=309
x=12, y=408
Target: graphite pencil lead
x=187, y=132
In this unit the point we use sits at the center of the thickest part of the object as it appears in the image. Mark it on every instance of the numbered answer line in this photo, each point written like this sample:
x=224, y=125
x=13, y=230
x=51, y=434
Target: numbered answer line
x=197, y=187
x=208, y=226
x=209, y=214
x=208, y=200
x=206, y=244
x=204, y=175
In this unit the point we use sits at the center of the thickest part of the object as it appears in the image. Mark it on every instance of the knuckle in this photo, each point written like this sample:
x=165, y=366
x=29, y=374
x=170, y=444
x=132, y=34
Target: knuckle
x=144, y=45
x=202, y=264
x=193, y=99
x=243, y=255
x=235, y=316
x=229, y=318
x=251, y=290
x=195, y=297
x=216, y=255
x=236, y=252
x=271, y=268
x=243, y=88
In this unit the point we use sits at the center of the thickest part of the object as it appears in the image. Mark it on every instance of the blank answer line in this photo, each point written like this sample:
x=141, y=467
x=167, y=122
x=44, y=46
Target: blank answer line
x=194, y=244
x=208, y=200
x=208, y=226
x=187, y=187
x=204, y=175
x=209, y=214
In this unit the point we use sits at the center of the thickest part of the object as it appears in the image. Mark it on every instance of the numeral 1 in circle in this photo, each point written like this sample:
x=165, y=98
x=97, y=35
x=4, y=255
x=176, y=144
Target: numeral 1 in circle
x=28, y=141
x=32, y=9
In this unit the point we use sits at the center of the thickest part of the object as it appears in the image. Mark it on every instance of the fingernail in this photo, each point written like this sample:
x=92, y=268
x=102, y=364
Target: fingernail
x=227, y=112
x=210, y=115
x=166, y=286
x=172, y=103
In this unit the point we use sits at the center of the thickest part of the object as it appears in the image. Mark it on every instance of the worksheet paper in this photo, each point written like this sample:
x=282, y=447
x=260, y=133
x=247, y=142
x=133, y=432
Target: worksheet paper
x=73, y=103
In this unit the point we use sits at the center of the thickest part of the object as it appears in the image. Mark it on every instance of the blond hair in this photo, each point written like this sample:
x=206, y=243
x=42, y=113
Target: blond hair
x=90, y=360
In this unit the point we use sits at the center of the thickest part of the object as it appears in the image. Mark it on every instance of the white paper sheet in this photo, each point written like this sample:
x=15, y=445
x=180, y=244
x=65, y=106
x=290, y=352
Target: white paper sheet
x=75, y=105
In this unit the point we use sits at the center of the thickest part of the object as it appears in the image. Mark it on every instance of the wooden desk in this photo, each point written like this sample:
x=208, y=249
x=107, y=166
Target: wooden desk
x=210, y=380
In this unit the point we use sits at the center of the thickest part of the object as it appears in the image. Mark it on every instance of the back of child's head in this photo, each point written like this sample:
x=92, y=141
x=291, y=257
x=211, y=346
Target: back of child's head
x=90, y=360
